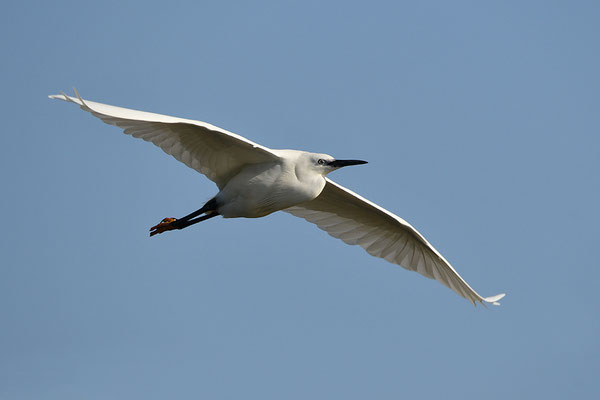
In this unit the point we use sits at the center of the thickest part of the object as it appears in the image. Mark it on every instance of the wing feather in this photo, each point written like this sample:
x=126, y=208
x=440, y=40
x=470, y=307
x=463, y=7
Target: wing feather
x=210, y=150
x=349, y=217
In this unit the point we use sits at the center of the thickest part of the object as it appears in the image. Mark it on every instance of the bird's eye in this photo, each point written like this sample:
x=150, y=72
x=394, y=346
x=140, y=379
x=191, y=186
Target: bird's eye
x=321, y=161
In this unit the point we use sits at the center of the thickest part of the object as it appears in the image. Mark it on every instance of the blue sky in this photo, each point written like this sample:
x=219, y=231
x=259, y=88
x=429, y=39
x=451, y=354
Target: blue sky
x=480, y=122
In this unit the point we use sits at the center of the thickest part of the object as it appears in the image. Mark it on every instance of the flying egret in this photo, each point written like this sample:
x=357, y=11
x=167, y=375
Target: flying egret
x=255, y=181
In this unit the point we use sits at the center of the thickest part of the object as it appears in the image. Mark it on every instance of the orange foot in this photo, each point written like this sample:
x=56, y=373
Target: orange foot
x=165, y=225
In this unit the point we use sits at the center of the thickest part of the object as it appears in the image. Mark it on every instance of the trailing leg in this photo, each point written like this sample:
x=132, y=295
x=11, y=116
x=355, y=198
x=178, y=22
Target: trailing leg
x=169, y=224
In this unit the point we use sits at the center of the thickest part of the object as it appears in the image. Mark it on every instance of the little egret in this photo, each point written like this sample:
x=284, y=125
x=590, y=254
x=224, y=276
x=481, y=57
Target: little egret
x=255, y=181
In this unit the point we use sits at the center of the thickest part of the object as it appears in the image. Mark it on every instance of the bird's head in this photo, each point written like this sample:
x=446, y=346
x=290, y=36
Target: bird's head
x=324, y=163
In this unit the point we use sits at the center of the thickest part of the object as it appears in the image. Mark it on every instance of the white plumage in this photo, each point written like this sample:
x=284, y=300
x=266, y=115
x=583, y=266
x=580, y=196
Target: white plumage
x=255, y=181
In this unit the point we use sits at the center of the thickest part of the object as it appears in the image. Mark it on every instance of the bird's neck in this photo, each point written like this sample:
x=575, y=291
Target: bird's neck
x=311, y=182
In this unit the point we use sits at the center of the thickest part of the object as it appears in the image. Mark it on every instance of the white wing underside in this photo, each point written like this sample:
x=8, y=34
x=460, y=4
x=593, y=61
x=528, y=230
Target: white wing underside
x=343, y=214
x=347, y=216
x=210, y=150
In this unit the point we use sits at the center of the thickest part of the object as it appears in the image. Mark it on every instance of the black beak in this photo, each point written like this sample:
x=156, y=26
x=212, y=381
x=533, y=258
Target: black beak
x=345, y=163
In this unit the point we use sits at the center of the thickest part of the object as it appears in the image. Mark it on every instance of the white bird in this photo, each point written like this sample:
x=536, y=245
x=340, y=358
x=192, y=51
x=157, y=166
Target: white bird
x=255, y=181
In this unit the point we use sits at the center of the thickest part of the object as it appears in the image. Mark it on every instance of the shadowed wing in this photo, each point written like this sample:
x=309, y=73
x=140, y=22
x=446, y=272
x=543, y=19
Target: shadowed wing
x=357, y=221
x=210, y=150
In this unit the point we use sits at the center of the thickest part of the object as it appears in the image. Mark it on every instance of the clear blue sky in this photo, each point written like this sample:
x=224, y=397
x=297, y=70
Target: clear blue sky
x=480, y=122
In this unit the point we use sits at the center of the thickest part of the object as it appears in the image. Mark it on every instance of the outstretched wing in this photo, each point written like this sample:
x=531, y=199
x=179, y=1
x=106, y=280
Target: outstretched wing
x=349, y=217
x=210, y=150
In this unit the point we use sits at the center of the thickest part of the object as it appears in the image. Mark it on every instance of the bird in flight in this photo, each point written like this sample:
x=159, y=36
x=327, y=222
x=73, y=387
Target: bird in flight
x=255, y=181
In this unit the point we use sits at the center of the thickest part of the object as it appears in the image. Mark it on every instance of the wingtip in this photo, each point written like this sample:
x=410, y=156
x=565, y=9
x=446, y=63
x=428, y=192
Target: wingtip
x=494, y=299
x=76, y=100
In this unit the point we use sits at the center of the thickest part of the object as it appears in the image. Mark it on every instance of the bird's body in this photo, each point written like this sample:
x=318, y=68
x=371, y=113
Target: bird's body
x=255, y=181
x=261, y=189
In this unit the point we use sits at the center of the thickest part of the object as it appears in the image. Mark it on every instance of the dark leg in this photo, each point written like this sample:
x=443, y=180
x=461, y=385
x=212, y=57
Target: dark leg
x=210, y=205
x=169, y=224
x=184, y=224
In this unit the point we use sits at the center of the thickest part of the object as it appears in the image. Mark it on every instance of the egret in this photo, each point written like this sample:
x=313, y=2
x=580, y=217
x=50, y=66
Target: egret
x=255, y=181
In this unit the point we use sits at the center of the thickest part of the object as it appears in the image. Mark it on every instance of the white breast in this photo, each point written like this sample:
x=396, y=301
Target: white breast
x=261, y=189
